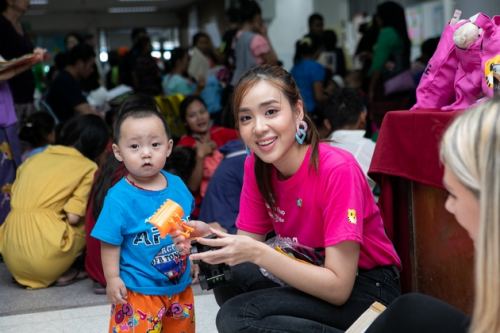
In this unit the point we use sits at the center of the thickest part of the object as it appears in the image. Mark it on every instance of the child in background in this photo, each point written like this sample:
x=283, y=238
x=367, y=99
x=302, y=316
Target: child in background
x=39, y=131
x=148, y=281
x=44, y=234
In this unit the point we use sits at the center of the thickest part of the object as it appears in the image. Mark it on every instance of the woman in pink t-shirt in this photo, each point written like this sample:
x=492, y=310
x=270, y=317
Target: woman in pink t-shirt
x=320, y=198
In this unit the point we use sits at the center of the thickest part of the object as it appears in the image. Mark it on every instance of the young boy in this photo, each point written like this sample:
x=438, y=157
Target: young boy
x=148, y=280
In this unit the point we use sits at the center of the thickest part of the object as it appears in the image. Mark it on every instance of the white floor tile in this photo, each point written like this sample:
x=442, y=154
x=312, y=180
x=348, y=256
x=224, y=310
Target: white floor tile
x=31, y=318
x=46, y=327
x=95, y=319
x=91, y=311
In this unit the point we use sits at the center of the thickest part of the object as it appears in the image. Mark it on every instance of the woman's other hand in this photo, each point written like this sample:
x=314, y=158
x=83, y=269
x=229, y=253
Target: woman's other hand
x=40, y=55
x=195, y=271
x=217, y=226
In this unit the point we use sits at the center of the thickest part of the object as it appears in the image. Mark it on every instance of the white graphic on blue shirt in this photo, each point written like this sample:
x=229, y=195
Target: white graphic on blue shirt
x=170, y=263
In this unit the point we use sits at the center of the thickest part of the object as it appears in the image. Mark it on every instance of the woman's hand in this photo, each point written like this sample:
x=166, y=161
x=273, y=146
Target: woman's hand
x=184, y=244
x=235, y=249
x=204, y=146
x=195, y=270
x=40, y=55
x=217, y=226
x=116, y=291
x=15, y=71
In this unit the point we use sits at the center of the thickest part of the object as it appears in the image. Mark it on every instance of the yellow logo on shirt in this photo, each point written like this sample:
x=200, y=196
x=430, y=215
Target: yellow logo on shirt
x=351, y=215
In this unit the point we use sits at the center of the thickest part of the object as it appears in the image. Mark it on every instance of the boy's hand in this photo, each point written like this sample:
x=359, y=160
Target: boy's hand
x=200, y=229
x=116, y=291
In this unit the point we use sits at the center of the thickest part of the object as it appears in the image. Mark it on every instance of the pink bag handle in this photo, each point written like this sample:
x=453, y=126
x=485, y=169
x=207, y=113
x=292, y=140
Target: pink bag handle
x=484, y=22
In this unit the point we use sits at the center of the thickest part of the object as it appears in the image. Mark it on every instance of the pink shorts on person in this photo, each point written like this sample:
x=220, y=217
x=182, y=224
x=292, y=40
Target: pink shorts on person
x=320, y=208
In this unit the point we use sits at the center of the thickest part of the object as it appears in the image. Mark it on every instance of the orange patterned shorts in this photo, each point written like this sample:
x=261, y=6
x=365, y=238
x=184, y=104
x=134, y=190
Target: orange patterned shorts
x=154, y=314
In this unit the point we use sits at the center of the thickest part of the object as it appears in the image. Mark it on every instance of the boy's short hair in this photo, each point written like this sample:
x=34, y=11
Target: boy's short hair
x=343, y=108
x=138, y=113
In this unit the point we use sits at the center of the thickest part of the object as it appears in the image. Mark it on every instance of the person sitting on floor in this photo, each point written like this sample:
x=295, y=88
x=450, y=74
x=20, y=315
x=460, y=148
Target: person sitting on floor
x=44, y=233
x=39, y=132
x=205, y=140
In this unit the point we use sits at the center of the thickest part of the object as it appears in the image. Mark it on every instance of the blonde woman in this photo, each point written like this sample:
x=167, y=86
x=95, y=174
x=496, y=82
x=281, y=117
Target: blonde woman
x=470, y=152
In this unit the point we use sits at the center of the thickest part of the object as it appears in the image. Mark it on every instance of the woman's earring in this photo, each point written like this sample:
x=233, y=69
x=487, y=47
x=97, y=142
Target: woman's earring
x=248, y=151
x=300, y=135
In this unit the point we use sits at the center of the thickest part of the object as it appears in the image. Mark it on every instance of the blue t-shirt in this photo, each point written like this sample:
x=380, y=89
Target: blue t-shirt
x=305, y=73
x=149, y=264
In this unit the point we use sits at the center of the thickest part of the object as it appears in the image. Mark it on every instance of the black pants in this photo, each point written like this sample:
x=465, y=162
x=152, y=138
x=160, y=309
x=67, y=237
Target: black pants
x=253, y=303
x=416, y=313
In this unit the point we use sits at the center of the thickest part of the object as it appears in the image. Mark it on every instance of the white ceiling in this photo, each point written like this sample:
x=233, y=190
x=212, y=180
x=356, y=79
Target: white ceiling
x=89, y=15
x=101, y=6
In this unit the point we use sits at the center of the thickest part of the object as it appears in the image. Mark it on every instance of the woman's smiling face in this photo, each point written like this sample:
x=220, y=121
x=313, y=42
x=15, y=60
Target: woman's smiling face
x=267, y=122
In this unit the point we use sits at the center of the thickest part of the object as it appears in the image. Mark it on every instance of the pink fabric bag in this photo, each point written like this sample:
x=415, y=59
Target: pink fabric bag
x=469, y=75
x=435, y=89
x=491, y=54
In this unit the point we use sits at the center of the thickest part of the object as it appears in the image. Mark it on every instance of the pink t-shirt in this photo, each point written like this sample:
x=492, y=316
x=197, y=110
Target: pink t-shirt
x=320, y=209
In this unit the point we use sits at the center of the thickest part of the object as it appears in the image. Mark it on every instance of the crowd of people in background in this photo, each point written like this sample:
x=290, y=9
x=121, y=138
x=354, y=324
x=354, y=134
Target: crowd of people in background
x=59, y=163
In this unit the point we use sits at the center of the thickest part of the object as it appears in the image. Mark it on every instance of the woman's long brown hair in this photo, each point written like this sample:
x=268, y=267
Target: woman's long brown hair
x=282, y=80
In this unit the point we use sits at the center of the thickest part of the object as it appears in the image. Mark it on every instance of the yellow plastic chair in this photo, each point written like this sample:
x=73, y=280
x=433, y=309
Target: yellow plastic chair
x=169, y=106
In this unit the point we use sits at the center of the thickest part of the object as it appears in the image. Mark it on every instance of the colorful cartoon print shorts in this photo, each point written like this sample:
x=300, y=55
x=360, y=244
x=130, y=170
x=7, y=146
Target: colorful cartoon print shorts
x=154, y=314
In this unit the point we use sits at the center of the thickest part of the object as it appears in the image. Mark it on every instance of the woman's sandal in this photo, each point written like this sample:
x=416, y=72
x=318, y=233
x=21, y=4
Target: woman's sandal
x=74, y=279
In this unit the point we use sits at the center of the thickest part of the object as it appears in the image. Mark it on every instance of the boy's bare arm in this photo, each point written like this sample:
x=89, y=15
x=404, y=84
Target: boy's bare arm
x=115, y=289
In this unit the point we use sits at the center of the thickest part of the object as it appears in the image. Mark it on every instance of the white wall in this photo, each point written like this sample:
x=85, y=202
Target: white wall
x=333, y=11
x=289, y=25
x=469, y=7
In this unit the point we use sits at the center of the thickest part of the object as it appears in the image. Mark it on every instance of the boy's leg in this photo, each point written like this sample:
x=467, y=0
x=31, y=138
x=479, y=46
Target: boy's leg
x=179, y=316
x=150, y=312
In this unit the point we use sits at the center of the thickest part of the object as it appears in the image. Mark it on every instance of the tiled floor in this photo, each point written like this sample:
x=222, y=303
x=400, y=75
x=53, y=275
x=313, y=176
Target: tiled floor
x=95, y=319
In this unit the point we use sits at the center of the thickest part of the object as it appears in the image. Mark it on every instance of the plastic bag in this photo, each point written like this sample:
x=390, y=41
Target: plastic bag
x=301, y=253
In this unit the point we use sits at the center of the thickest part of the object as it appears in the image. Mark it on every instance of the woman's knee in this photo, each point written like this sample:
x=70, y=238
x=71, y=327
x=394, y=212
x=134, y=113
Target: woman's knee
x=230, y=317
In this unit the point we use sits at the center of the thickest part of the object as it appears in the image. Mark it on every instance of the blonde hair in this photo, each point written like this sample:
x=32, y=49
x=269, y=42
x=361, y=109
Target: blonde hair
x=470, y=149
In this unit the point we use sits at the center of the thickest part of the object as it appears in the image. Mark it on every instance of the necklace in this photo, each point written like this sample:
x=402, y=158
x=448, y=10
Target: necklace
x=142, y=188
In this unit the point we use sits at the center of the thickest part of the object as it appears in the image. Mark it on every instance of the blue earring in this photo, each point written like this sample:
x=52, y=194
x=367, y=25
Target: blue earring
x=248, y=151
x=300, y=138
